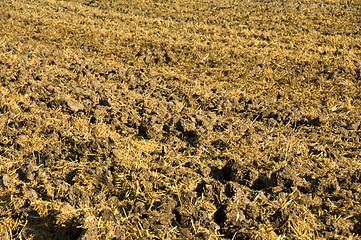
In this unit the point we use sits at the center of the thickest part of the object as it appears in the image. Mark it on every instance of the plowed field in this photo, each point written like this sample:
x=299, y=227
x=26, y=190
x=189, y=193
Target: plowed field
x=179, y=119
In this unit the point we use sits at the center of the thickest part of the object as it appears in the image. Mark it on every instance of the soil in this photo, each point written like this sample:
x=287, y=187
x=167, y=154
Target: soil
x=180, y=119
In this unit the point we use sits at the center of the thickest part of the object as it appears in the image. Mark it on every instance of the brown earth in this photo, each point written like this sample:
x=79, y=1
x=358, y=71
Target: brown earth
x=180, y=119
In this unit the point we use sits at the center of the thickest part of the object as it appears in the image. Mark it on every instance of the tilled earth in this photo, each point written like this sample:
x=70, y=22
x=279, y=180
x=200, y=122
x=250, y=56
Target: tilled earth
x=180, y=119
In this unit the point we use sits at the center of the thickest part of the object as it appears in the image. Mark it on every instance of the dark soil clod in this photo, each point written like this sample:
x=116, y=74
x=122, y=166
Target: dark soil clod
x=27, y=172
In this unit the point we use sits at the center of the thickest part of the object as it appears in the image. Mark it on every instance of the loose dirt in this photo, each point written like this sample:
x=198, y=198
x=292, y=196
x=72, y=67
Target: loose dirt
x=180, y=119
